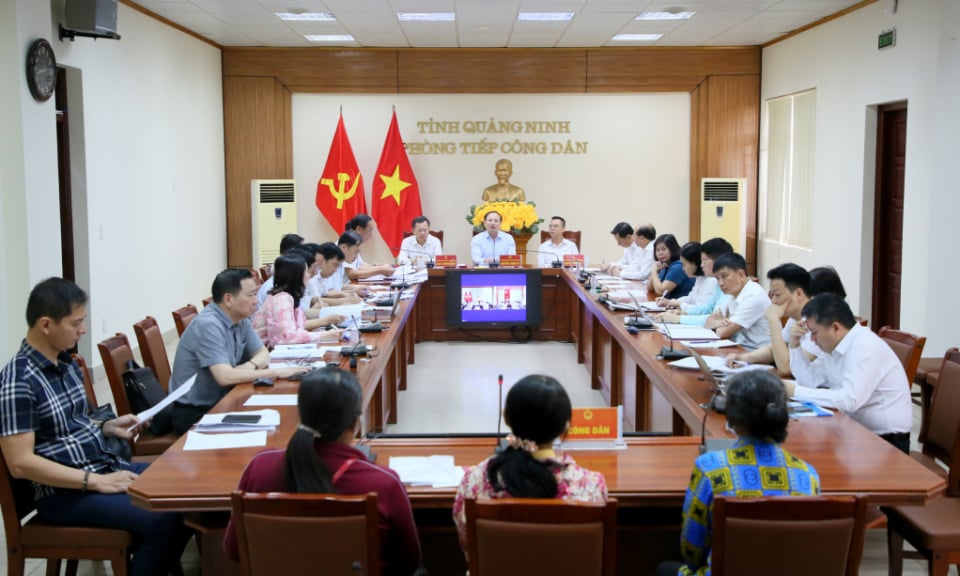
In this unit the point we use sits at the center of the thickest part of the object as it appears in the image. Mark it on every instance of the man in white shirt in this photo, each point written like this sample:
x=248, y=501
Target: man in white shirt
x=862, y=375
x=789, y=293
x=422, y=247
x=557, y=246
x=741, y=317
x=639, y=267
x=623, y=234
x=356, y=269
x=287, y=243
x=337, y=289
x=489, y=245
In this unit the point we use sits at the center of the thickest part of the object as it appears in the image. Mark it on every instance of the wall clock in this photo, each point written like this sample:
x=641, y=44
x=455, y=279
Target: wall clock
x=41, y=70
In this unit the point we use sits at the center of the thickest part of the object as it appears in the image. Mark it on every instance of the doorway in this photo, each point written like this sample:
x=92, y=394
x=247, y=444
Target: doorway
x=63, y=170
x=888, y=214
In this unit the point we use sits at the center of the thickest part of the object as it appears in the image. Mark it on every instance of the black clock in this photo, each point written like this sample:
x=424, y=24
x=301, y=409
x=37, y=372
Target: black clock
x=41, y=70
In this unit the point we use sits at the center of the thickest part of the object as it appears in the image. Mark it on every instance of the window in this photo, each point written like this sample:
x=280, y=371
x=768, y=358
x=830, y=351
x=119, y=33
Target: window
x=789, y=147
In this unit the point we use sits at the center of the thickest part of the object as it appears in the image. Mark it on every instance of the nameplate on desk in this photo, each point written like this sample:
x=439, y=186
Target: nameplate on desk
x=446, y=261
x=510, y=261
x=595, y=429
x=572, y=260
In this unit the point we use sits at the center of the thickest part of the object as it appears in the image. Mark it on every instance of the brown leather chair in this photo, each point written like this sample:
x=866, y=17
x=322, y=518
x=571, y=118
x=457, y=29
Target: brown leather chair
x=183, y=316
x=153, y=350
x=908, y=348
x=581, y=537
x=571, y=235
x=207, y=301
x=787, y=535
x=37, y=539
x=437, y=233
x=307, y=534
x=928, y=373
x=266, y=271
x=934, y=529
x=115, y=353
x=87, y=380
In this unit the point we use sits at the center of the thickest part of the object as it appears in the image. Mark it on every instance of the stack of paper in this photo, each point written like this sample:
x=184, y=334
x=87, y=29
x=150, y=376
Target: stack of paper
x=435, y=471
x=686, y=332
x=197, y=441
x=269, y=420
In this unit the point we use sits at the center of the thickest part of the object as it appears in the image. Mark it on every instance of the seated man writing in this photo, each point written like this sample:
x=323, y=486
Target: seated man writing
x=860, y=372
x=789, y=292
x=221, y=347
x=741, y=317
x=356, y=268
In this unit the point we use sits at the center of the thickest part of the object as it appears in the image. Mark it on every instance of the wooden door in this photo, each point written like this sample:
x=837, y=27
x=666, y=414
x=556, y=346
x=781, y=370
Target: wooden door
x=888, y=214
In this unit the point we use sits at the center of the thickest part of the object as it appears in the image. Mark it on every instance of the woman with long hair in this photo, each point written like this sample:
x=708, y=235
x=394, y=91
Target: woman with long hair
x=537, y=410
x=320, y=458
x=703, y=285
x=667, y=278
x=281, y=320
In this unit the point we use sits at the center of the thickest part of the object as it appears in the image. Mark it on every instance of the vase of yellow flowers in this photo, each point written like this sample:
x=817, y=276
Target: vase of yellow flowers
x=520, y=220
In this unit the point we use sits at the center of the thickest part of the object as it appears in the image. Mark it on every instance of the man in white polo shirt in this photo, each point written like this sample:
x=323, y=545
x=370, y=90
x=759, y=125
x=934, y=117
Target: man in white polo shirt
x=741, y=317
x=861, y=374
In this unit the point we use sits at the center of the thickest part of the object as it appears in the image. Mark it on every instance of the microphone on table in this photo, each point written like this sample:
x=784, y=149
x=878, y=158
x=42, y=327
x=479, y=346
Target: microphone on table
x=669, y=353
x=637, y=321
x=430, y=262
x=501, y=443
x=557, y=263
x=495, y=259
x=358, y=349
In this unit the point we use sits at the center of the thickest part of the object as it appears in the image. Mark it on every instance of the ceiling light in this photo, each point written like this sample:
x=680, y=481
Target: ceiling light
x=307, y=16
x=426, y=16
x=329, y=37
x=636, y=37
x=665, y=16
x=545, y=16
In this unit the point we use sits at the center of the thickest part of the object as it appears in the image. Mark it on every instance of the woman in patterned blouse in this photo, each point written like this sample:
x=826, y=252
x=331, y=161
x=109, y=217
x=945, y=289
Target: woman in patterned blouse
x=281, y=320
x=537, y=411
x=755, y=466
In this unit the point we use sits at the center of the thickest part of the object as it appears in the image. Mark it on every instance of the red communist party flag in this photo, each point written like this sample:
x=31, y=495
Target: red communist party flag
x=340, y=194
x=396, y=194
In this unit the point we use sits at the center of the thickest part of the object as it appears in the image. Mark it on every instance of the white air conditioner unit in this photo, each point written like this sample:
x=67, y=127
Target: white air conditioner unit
x=273, y=209
x=723, y=211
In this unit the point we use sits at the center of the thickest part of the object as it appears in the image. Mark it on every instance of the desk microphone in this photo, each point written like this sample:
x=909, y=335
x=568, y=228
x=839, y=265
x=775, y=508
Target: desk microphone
x=430, y=262
x=637, y=321
x=670, y=353
x=358, y=349
x=501, y=443
x=557, y=263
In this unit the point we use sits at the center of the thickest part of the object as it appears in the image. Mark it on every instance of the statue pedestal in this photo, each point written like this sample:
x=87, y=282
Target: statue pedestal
x=521, y=239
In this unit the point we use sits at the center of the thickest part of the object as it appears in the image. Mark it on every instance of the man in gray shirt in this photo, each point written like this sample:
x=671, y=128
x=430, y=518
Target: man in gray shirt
x=221, y=347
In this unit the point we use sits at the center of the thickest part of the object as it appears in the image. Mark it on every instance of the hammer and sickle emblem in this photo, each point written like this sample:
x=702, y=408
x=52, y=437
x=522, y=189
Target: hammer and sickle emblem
x=340, y=194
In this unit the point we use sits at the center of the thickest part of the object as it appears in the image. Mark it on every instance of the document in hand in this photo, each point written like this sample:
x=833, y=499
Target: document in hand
x=239, y=421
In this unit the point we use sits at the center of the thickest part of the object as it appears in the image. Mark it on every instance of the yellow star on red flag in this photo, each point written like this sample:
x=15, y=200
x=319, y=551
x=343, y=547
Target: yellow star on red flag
x=393, y=185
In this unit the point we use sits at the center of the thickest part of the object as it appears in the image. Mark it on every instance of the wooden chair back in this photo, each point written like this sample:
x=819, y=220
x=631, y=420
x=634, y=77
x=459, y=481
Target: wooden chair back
x=437, y=233
x=266, y=271
x=943, y=431
x=207, y=301
x=571, y=235
x=908, y=348
x=115, y=352
x=256, y=276
x=183, y=316
x=87, y=380
x=37, y=539
x=307, y=534
x=788, y=535
x=580, y=537
x=153, y=350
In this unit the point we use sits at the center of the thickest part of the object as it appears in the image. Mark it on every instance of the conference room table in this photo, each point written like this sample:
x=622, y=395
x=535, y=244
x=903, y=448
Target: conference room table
x=649, y=477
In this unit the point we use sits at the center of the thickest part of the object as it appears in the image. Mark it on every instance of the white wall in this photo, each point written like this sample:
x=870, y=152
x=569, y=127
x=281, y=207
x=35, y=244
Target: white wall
x=636, y=167
x=841, y=61
x=148, y=174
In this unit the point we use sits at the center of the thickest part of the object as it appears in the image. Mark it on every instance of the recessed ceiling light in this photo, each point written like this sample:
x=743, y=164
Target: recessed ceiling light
x=665, y=16
x=426, y=16
x=545, y=16
x=329, y=37
x=307, y=16
x=636, y=37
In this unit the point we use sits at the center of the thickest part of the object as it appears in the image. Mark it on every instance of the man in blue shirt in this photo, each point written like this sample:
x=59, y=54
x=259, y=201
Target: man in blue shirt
x=47, y=438
x=489, y=245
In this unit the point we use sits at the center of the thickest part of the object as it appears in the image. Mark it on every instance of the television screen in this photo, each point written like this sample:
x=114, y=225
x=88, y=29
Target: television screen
x=493, y=298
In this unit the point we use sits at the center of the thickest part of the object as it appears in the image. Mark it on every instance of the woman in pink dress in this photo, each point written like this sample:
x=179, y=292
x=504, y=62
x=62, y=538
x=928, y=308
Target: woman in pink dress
x=280, y=320
x=537, y=410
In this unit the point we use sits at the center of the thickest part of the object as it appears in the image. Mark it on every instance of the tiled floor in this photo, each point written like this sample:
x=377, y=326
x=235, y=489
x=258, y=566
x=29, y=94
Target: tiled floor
x=454, y=389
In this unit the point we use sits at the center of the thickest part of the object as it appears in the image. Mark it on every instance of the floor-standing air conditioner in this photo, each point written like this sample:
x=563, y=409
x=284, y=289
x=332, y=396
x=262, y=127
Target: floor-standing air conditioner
x=722, y=211
x=274, y=213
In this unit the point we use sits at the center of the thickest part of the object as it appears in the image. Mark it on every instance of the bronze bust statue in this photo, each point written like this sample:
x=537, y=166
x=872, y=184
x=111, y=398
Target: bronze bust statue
x=503, y=190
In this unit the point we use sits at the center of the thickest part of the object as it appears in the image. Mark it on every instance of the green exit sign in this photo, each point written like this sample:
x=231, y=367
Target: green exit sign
x=887, y=39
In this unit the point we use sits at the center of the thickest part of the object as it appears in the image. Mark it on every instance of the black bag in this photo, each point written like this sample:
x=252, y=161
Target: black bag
x=115, y=445
x=143, y=389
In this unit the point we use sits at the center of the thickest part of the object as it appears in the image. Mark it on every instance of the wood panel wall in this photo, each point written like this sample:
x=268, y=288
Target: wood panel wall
x=257, y=84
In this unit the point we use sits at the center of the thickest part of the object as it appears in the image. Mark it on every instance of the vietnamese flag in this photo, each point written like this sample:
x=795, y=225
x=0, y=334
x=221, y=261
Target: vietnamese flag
x=340, y=194
x=396, y=194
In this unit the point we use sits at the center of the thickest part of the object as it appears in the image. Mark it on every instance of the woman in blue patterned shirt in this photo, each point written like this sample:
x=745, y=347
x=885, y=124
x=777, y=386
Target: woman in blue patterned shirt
x=755, y=466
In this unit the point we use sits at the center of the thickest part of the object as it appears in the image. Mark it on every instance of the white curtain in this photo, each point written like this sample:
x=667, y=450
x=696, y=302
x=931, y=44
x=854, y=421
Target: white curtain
x=791, y=128
x=801, y=188
x=778, y=165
